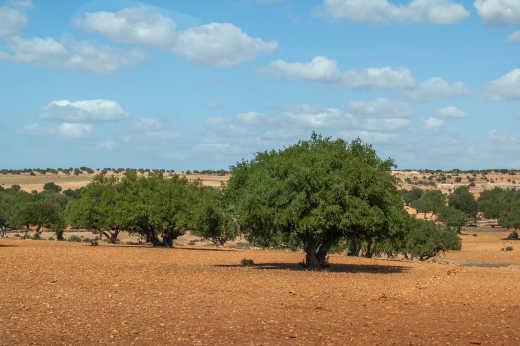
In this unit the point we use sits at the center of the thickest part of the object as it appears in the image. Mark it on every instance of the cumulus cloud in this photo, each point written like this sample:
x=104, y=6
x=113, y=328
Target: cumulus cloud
x=320, y=69
x=314, y=117
x=12, y=21
x=148, y=124
x=381, y=108
x=385, y=124
x=514, y=37
x=325, y=70
x=433, y=123
x=20, y=3
x=74, y=130
x=436, y=89
x=212, y=45
x=452, y=112
x=35, y=129
x=84, y=111
x=498, y=12
x=382, y=11
x=142, y=25
x=507, y=87
x=369, y=137
x=80, y=55
x=155, y=129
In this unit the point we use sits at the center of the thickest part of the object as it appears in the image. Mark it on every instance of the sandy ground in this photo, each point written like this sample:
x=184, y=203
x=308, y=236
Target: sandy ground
x=73, y=293
x=35, y=183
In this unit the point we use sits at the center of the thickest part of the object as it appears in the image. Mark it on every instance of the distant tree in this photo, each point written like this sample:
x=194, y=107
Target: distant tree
x=430, y=201
x=493, y=202
x=454, y=218
x=464, y=201
x=510, y=217
x=409, y=196
x=314, y=194
x=51, y=187
x=213, y=217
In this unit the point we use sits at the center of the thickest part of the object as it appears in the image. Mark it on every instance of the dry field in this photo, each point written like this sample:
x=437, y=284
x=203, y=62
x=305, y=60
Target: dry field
x=35, y=183
x=73, y=293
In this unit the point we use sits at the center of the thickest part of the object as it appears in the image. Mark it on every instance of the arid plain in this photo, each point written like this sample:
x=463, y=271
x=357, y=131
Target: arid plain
x=73, y=293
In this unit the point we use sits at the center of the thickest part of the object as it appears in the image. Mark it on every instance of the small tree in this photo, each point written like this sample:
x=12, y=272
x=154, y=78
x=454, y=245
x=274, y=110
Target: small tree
x=51, y=187
x=213, y=218
x=464, y=201
x=453, y=218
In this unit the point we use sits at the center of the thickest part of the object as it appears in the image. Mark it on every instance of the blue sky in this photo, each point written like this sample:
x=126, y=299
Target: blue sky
x=202, y=84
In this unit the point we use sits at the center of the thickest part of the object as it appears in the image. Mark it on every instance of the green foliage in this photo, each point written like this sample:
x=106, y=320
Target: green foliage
x=410, y=196
x=213, y=217
x=430, y=201
x=51, y=187
x=157, y=208
x=314, y=194
x=426, y=239
x=453, y=217
x=513, y=235
x=463, y=200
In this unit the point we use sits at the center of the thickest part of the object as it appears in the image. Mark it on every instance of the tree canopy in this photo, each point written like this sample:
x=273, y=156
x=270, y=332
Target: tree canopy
x=315, y=193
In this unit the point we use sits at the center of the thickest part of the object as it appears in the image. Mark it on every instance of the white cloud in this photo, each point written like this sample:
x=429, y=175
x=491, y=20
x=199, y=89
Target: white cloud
x=20, y=3
x=12, y=21
x=385, y=124
x=74, y=130
x=369, y=136
x=381, y=108
x=142, y=25
x=106, y=145
x=220, y=45
x=84, y=111
x=320, y=69
x=35, y=129
x=433, y=123
x=313, y=117
x=514, y=37
x=498, y=12
x=380, y=77
x=506, y=87
x=253, y=118
x=325, y=70
x=148, y=124
x=81, y=55
x=382, y=11
x=452, y=112
x=213, y=45
x=436, y=89
x=223, y=127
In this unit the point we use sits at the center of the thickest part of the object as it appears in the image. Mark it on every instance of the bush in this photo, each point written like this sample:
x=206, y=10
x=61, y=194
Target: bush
x=513, y=236
x=36, y=236
x=426, y=239
x=74, y=238
x=247, y=262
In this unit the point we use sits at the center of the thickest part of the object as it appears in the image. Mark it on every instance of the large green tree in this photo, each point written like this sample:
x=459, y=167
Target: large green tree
x=314, y=194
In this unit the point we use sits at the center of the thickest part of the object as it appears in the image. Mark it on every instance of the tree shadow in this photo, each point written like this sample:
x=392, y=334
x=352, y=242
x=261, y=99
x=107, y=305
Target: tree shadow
x=148, y=246
x=333, y=267
x=8, y=245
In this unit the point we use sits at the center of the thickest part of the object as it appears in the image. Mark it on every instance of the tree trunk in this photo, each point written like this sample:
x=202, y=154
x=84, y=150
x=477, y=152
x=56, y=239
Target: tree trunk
x=316, y=253
x=113, y=236
x=168, y=238
x=38, y=229
x=59, y=235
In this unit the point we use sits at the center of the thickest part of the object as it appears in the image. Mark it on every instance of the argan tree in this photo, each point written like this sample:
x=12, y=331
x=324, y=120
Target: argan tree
x=463, y=200
x=314, y=194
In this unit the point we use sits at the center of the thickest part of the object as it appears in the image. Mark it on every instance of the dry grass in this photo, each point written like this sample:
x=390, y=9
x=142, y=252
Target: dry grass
x=72, y=293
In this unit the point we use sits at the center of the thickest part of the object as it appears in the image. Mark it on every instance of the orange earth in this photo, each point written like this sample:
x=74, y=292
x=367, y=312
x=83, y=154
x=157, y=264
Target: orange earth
x=72, y=293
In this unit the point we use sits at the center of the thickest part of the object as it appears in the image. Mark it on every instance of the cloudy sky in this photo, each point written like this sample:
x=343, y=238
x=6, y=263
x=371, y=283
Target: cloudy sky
x=203, y=84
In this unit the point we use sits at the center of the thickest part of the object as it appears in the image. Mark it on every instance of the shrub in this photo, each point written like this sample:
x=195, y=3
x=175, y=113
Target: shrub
x=247, y=262
x=74, y=238
x=36, y=236
x=513, y=236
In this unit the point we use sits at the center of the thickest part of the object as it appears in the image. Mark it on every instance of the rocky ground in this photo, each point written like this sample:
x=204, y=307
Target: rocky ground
x=73, y=293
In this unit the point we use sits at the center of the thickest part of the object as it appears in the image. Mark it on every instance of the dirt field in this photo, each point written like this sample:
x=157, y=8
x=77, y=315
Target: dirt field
x=35, y=183
x=72, y=293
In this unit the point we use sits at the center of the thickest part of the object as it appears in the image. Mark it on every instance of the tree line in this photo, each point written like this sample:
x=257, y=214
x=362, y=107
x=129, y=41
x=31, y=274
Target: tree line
x=320, y=195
